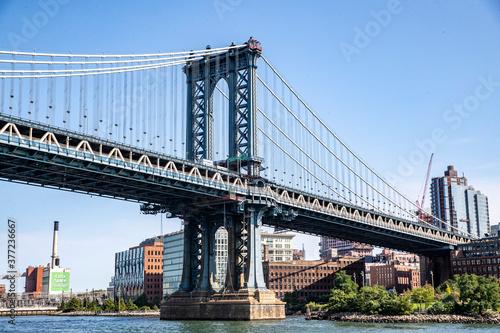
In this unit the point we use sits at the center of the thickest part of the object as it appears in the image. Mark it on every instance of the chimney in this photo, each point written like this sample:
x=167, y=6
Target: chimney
x=55, y=258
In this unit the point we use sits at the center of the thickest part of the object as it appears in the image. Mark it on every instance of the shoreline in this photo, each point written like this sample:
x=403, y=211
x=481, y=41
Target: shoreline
x=151, y=314
x=340, y=317
x=416, y=318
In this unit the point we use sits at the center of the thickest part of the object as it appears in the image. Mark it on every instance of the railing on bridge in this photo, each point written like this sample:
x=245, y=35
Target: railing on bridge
x=16, y=133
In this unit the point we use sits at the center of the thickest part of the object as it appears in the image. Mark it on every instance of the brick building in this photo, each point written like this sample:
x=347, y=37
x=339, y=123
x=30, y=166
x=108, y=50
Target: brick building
x=140, y=270
x=309, y=277
x=344, y=248
x=481, y=257
x=392, y=276
x=393, y=270
x=386, y=256
x=34, y=279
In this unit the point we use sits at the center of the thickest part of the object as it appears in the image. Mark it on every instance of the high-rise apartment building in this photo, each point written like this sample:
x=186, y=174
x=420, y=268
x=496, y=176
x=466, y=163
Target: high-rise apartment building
x=459, y=205
x=343, y=248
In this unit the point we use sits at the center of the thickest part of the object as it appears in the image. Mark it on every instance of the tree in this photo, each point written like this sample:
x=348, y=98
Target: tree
x=345, y=283
x=156, y=301
x=62, y=306
x=109, y=305
x=130, y=306
x=338, y=301
x=73, y=305
x=370, y=298
x=423, y=294
x=121, y=306
x=396, y=305
x=141, y=300
x=292, y=298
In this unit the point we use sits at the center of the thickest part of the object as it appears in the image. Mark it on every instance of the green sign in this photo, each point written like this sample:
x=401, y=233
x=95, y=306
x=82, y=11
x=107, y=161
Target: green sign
x=59, y=281
x=45, y=280
x=236, y=158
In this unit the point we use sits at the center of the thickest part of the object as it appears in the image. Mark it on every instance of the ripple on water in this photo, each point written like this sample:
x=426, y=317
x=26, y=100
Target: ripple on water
x=291, y=325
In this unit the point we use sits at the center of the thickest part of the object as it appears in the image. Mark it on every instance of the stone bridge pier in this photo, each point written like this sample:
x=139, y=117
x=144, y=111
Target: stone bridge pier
x=245, y=295
x=435, y=268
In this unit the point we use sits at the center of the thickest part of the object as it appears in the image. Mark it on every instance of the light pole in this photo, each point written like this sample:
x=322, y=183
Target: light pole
x=432, y=279
x=363, y=278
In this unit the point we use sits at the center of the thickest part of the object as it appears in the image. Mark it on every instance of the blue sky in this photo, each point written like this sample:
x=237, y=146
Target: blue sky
x=396, y=80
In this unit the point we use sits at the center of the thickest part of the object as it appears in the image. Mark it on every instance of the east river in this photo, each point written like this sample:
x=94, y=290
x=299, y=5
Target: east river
x=292, y=324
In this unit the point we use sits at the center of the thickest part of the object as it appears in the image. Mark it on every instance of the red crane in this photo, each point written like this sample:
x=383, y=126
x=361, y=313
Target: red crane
x=421, y=206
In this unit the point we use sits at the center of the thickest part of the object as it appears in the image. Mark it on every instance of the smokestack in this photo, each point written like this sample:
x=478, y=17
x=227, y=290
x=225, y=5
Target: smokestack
x=55, y=258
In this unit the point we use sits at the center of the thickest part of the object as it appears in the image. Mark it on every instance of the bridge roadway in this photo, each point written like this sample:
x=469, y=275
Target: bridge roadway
x=37, y=154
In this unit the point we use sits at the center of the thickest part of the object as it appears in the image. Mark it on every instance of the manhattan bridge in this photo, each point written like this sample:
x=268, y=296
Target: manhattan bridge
x=215, y=137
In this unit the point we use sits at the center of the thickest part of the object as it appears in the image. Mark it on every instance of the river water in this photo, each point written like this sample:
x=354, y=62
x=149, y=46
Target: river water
x=292, y=324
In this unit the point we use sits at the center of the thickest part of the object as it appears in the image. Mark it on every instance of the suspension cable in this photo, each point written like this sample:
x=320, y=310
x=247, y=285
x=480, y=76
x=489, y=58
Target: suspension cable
x=336, y=137
x=71, y=55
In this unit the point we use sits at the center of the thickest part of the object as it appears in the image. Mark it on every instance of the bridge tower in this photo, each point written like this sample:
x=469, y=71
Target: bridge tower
x=238, y=67
x=245, y=295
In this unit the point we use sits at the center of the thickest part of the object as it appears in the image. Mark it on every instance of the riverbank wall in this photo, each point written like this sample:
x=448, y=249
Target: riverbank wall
x=416, y=318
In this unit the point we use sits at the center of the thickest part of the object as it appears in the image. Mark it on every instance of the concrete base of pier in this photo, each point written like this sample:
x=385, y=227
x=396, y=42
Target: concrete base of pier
x=244, y=305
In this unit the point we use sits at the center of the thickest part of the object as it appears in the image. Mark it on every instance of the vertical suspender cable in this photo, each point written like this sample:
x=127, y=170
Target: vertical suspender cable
x=117, y=106
x=11, y=100
x=174, y=106
x=183, y=114
x=67, y=81
x=80, y=118
x=95, y=111
x=172, y=109
x=125, y=106
x=161, y=108
x=144, y=111
x=111, y=109
x=106, y=106
x=37, y=99
x=151, y=111
x=133, y=107
x=2, y=97
x=50, y=97
x=20, y=101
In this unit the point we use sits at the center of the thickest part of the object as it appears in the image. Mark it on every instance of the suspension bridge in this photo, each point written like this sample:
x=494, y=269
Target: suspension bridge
x=184, y=134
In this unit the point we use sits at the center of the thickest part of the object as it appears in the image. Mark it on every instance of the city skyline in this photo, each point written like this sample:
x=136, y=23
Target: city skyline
x=393, y=89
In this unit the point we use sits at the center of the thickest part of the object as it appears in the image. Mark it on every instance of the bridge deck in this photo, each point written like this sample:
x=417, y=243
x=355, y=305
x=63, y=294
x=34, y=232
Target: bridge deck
x=46, y=156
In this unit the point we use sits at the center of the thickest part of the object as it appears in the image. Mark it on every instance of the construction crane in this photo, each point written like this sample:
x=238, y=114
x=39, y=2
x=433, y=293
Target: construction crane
x=421, y=204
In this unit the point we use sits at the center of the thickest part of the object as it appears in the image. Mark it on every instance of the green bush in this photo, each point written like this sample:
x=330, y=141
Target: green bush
x=396, y=305
x=441, y=307
x=313, y=306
